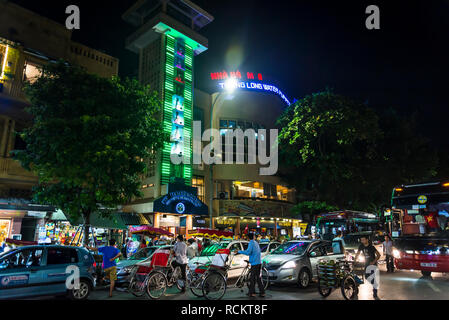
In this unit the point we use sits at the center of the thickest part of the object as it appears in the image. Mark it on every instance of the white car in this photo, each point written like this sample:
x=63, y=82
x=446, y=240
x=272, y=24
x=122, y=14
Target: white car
x=237, y=261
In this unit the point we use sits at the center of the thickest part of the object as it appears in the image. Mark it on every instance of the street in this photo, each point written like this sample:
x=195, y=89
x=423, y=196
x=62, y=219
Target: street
x=401, y=285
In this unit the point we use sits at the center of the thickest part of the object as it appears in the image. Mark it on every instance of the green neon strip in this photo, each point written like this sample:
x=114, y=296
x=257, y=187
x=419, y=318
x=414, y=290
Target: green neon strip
x=169, y=88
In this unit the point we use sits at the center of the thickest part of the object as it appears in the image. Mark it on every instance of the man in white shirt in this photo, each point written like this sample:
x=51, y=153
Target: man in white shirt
x=181, y=260
x=192, y=249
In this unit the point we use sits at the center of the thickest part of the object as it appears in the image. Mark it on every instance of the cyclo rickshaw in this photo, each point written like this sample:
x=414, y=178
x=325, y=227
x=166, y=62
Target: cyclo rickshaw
x=343, y=274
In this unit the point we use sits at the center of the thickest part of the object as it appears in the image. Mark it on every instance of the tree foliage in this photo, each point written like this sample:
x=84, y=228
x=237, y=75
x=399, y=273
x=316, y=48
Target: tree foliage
x=88, y=138
x=349, y=155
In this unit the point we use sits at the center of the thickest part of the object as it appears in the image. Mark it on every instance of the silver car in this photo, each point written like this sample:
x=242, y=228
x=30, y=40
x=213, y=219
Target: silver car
x=295, y=262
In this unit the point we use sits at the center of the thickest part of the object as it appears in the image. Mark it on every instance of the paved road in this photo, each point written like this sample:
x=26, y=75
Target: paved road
x=401, y=285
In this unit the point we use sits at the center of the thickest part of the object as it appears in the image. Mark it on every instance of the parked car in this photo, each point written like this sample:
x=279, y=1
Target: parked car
x=295, y=262
x=237, y=261
x=43, y=270
x=124, y=267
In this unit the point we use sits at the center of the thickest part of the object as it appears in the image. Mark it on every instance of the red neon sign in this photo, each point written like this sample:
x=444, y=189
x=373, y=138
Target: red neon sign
x=235, y=74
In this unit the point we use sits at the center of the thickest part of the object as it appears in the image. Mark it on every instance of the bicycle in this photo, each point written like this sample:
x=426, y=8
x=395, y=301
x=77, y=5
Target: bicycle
x=245, y=277
x=215, y=282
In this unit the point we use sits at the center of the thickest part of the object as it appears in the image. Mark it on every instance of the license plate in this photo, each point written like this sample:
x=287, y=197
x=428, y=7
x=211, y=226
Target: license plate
x=431, y=265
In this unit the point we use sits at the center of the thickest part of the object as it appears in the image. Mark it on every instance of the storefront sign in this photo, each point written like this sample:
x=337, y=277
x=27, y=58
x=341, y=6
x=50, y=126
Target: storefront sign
x=248, y=81
x=199, y=222
x=259, y=87
x=180, y=202
x=37, y=214
x=181, y=196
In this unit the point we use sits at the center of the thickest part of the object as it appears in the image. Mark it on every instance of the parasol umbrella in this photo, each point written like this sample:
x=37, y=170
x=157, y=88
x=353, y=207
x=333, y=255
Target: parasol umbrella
x=20, y=243
x=150, y=231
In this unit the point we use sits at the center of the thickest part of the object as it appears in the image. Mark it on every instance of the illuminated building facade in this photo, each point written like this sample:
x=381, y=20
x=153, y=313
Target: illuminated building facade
x=242, y=198
x=28, y=41
x=167, y=41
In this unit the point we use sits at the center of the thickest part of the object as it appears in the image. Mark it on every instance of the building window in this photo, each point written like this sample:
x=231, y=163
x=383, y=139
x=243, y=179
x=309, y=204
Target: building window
x=232, y=124
x=252, y=189
x=198, y=182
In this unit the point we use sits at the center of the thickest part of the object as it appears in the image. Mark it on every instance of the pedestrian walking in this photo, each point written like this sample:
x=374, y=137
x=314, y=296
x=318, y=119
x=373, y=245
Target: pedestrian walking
x=371, y=256
x=192, y=249
x=110, y=254
x=255, y=258
x=335, y=246
x=181, y=260
x=388, y=251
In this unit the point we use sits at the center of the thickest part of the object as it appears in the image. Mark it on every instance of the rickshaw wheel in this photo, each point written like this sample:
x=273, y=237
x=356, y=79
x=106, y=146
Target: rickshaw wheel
x=135, y=288
x=324, y=292
x=349, y=288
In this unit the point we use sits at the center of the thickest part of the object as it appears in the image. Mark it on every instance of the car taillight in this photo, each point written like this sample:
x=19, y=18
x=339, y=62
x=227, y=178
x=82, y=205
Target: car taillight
x=94, y=264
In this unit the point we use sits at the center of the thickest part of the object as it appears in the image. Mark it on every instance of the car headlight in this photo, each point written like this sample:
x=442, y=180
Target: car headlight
x=289, y=265
x=396, y=253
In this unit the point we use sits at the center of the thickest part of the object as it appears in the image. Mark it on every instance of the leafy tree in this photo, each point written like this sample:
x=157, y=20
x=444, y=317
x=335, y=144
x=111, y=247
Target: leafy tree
x=88, y=139
x=348, y=155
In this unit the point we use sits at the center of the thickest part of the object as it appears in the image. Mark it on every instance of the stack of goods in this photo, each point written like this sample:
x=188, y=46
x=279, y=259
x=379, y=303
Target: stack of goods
x=327, y=273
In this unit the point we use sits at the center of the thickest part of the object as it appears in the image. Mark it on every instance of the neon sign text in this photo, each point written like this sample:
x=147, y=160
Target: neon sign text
x=259, y=86
x=235, y=74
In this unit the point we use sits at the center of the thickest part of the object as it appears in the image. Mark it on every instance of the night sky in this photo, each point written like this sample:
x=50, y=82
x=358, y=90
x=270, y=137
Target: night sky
x=305, y=46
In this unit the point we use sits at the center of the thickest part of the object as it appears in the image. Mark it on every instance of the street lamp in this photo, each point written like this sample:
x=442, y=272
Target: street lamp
x=229, y=85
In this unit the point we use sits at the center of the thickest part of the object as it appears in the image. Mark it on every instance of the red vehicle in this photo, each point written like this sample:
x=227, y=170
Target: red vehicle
x=419, y=225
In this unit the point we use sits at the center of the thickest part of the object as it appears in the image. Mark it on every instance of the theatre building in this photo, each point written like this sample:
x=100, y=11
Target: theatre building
x=179, y=197
x=242, y=198
x=28, y=41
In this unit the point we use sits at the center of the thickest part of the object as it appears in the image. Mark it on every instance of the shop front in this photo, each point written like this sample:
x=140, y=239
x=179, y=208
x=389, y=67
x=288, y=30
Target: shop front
x=264, y=226
x=264, y=217
x=180, y=210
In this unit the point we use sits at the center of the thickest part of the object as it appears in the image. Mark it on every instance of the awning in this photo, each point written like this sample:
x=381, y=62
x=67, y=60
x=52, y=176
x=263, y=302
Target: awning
x=210, y=233
x=58, y=215
x=115, y=220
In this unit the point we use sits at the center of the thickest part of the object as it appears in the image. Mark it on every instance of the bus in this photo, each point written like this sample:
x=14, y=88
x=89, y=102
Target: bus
x=418, y=221
x=346, y=221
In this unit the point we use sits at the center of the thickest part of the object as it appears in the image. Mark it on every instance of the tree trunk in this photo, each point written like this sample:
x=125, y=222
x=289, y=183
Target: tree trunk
x=86, y=216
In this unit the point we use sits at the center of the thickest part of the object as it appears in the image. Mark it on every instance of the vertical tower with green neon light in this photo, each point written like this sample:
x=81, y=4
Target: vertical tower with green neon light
x=167, y=41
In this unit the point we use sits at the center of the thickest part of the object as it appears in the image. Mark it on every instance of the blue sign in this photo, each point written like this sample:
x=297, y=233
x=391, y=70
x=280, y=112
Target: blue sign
x=259, y=87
